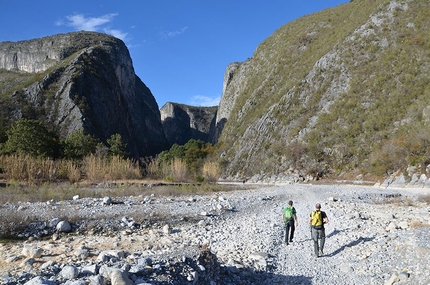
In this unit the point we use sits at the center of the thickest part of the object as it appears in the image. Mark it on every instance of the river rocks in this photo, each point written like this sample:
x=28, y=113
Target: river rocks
x=110, y=255
x=39, y=281
x=82, y=253
x=69, y=272
x=118, y=277
x=107, y=201
x=32, y=251
x=63, y=226
x=367, y=242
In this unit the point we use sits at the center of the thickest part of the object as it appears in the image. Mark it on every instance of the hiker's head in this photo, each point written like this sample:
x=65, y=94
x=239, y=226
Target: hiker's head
x=318, y=206
x=290, y=203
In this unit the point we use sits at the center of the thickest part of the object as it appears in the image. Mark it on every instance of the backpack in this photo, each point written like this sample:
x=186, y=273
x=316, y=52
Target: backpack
x=317, y=219
x=288, y=213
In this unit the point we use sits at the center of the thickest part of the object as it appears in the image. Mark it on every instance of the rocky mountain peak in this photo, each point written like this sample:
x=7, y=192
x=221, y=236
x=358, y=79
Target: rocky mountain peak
x=83, y=80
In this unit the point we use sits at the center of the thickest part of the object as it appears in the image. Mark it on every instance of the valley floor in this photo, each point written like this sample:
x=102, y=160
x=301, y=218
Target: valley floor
x=375, y=236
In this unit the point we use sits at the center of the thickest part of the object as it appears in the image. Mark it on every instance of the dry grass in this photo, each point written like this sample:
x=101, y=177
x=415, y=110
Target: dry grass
x=176, y=171
x=30, y=169
x=73, y=171
x=93, y=168
x=98, y=169
x=211, y=171
x=398, y=201
x=425, y=199
x=36, y=171
x=418, y=224
x=13, y=222
x=153, y=169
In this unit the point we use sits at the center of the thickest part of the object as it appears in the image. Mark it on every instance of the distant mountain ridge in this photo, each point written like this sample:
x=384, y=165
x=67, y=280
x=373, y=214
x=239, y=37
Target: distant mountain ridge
x=183, y=122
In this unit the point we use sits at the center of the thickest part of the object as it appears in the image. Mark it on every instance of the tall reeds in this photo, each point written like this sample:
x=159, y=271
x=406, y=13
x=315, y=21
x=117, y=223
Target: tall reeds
x=33, y=170
x=96, y=168
x=30, y=169
x=211, y=171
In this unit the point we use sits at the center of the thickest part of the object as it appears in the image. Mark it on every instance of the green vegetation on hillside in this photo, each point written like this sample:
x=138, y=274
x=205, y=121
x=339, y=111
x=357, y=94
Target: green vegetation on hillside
x=345, y=90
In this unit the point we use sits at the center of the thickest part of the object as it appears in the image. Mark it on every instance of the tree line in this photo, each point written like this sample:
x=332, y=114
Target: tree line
x=30, y=152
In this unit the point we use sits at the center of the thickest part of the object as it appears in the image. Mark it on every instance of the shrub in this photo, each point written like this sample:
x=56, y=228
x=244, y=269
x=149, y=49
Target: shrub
x=31, y=137
x=99, y=169
x=211, y=171
x=78, y=145
x=178, y=170
x=33, y=170
x=117, y=146
x=200, y=179
x=186, y=161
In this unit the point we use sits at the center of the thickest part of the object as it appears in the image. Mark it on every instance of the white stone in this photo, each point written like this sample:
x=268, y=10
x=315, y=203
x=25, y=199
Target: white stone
x=118, y=277
x=64, y=227
x=69, y=272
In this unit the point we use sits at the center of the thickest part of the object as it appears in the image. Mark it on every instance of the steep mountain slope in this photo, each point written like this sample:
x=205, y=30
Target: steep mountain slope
x=345, y=90
x=81, y=80
x=183, y=122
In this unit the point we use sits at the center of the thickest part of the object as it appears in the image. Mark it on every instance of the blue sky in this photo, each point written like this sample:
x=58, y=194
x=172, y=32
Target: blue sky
x=180, y=49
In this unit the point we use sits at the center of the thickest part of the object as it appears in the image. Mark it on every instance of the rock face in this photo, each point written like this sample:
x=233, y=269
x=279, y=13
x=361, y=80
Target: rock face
x=309, y=99
x=230, y=91
x=82, y=80
x=182, y=122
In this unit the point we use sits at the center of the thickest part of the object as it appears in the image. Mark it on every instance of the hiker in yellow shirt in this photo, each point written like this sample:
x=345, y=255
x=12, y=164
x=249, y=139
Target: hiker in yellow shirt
x=317, y=220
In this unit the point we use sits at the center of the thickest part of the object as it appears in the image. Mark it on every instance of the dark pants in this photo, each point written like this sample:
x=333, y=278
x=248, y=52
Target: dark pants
x=289, y=229
x=318, y=234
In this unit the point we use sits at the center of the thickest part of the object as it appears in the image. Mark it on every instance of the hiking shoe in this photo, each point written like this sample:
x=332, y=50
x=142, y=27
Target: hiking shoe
x=286, y=243
x=316, y=255
x=321, y=252
x=291, y=240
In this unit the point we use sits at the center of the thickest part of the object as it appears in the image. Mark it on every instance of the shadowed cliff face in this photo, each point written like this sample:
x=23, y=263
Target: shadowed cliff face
x=86, y=81
x=182, y=122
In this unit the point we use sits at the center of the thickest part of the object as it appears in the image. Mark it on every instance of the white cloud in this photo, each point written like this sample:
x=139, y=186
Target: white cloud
x=116, y=33
x=82, y=23
x=171, y=34
x=204, y=101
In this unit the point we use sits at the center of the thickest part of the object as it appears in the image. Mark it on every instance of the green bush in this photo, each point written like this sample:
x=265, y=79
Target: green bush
x=193, y=154
x=200, y=179
x=117, y=146
x=78, y=145
x=31, y=137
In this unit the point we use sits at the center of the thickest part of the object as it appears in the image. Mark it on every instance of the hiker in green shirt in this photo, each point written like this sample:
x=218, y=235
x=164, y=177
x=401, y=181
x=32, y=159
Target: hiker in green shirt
x=317, y=220
x=289, y=217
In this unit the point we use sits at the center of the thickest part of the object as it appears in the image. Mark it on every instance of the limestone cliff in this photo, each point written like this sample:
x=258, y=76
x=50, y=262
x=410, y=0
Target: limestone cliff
x=81, y=80
x=183, y=122
x=230, y=91
x=340, y=92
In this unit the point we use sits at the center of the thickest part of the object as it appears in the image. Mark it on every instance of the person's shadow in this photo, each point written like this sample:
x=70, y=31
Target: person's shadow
x=351, y=244
x=335, y=232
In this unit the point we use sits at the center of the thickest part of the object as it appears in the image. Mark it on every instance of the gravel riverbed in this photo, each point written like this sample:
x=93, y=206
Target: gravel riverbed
x=375, y=236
